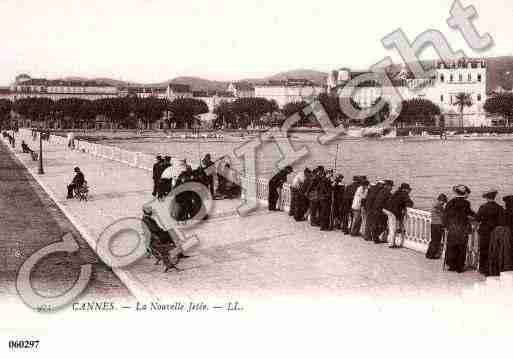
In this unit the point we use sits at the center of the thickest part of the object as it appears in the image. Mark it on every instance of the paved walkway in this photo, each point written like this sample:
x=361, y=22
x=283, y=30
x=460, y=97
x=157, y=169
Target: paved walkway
x=30, y=220
x=260, y=256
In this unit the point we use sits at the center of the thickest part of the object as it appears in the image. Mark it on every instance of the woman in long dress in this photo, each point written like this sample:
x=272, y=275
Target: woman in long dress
x=490, y=215
x=457, y=221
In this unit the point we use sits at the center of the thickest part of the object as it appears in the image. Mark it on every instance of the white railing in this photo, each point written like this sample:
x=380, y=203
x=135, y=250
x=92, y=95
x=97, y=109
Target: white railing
x=418, y=229
x=417, y=222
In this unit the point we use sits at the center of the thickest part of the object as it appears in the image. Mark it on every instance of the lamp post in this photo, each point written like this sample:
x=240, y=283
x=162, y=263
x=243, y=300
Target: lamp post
x=40, y=170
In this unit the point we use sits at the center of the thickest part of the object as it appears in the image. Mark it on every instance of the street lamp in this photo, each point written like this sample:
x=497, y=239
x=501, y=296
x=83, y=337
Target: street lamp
x=40, y=170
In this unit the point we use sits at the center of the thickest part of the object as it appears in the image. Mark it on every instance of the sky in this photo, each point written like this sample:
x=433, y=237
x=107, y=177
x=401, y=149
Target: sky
x=155, y=40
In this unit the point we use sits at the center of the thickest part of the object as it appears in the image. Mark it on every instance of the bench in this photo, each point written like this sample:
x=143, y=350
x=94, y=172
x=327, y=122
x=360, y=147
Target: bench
x=34, y=155
x=82, y=192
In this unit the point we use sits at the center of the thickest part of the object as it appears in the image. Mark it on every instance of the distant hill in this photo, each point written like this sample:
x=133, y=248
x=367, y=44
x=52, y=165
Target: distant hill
x=317, y=77
x=500, y=73
x=197, y=83
x=108, y=81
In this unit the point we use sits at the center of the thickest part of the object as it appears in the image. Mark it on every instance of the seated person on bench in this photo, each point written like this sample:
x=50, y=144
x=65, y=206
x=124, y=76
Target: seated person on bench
x=25, y=148
x=78, y=181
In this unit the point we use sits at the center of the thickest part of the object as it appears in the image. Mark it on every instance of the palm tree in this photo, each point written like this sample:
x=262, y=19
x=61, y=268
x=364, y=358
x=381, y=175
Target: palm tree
x=462, y=100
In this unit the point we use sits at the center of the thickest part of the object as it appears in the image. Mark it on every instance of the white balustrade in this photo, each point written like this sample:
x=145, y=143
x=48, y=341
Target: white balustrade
x=418, y=229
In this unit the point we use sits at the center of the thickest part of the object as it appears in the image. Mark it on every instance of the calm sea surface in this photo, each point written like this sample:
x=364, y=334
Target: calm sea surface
x=429, y=166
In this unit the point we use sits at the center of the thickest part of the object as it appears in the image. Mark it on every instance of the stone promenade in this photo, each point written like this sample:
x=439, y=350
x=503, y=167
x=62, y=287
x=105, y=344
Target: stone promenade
x=30, y=220
x=263, y=255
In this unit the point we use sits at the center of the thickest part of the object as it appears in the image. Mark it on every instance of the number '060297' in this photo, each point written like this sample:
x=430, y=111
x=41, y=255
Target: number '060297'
x=23, y=344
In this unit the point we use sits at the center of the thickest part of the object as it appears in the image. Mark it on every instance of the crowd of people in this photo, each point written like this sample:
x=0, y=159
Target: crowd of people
x=377, y=213
x=373, y=212
x=168, y=174
x=456, y=218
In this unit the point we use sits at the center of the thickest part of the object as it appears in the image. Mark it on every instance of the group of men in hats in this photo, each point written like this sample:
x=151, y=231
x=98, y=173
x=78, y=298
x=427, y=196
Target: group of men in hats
x=166, y=174
x=495, y=228
x=357, y=208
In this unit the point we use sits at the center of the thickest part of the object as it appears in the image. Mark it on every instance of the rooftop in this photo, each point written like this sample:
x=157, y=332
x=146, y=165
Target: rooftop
x=65, y=83
x=290, y=82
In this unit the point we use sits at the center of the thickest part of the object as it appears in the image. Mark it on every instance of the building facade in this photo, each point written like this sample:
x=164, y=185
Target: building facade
x=24, y=86
x=144, y=92
x=290, y=90
x=6, y=93
x=449, y=79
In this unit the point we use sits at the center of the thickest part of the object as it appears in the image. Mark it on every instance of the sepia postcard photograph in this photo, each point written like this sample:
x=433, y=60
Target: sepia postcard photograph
x=256, y=179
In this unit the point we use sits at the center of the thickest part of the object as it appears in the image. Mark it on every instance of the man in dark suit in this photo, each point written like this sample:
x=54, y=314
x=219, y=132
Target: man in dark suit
x=158, y=168
x=325, y=197
x=367, y=204
x=275, y=185
x=160, y=242
x=338, y=189
x=207, y=162
x=379, y=218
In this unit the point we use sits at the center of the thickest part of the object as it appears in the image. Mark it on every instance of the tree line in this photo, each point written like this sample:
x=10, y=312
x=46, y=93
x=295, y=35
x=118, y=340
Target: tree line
x=123, y=112
x=134, y=112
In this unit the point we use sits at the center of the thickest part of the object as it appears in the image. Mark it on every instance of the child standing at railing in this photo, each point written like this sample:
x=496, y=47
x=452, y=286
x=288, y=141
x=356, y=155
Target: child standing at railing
x=434, y=249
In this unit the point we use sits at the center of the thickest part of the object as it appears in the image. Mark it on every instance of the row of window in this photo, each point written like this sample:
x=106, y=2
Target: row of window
x=462, y=64
x=452, y=98
x=460, y=78
x=26, y=89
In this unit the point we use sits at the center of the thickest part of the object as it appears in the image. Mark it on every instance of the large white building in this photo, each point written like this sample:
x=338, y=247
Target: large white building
x=464, y=76
x=144, y=91
x=25, y=86
x=291, y=90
